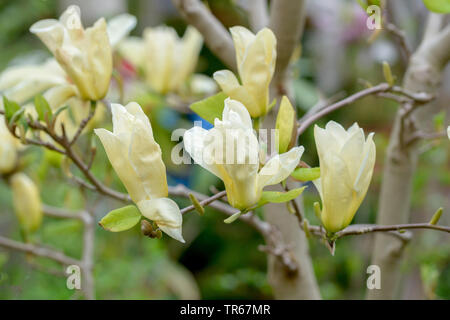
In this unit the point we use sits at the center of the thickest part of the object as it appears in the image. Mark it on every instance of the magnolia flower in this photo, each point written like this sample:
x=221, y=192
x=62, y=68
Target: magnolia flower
x=136, y=158
x=21, y=83
x=8, y=148
x=346, y=166
x=26, y=201
x=169, y=59
x=230, y=151
x=448, y=132
x=255, y=55
x=85, y=55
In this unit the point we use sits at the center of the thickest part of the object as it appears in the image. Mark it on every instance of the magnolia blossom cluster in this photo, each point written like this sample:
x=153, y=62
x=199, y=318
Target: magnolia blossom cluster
x=80, y=74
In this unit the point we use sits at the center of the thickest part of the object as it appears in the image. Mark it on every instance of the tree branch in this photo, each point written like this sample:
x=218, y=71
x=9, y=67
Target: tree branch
x=287, y=18
x=258, y=14
x=214, y=33
x=38, y=251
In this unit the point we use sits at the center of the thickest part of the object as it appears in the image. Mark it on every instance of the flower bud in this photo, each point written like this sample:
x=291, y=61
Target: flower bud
x=346, y=166
x=26, y=201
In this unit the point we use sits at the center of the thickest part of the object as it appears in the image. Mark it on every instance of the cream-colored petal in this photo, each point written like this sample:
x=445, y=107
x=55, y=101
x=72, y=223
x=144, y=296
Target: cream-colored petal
x=236, y=113
x=135, y=109
x=197, y=143
x=123, y=121
x=119, y=27
x=56, y=96
x=242, y=38
x=279, y=167
x=325, y=141
x=166, y=214
x=50, y=31
x=145, y=158
x=226, y=80
x=364, y=174
x=338, y=132
x=117, y=154
x=352, y=152
x=339, y=200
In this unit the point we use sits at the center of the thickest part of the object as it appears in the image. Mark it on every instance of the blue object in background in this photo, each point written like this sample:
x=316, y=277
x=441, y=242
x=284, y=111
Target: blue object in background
x=195, y=117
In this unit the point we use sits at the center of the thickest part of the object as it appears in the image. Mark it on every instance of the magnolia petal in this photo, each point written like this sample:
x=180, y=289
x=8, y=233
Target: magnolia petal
x=50, y=31
x=196, y=141
x=337, y=131
x=226, y=80
x=279, y=167
x=123, y=121
x=242, y=38
x=352, y=152
x=119, y=27
x=339, y=203
x=135, y=109
x=236, y=113
x=325, y=142
x=166, y=214
x=145, y=158
x=56, y=96
x=116, y=151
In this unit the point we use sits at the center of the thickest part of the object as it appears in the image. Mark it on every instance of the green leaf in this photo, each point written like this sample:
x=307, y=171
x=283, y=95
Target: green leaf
x=210, y=108
x=306, y=174
x=285, y=124
x=279, y=197
x=388, y=73
x=233, y=218
x=436, y=216
x=17, y=116
x=42, y=107
x=10, y=107
x=121, y=219
x=439, y=6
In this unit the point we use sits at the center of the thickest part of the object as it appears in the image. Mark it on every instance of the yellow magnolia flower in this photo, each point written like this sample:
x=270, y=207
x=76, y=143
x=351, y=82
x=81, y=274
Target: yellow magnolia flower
x=85, y=55
x=26, y=201
x=230, y=151
x=8, y=148
x=255, y=55
x=169, y=60
x=346, y=166
x=136, y=158
x=21, y=83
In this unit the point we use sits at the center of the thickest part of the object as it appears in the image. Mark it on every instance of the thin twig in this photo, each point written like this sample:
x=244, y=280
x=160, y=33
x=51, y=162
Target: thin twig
x=38, y=251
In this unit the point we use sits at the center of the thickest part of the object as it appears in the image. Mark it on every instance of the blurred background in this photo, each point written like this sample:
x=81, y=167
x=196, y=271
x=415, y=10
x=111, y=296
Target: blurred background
x=220, y=261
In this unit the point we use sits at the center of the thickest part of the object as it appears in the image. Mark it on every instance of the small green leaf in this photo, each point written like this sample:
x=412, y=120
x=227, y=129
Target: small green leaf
x=233, y=218
x=42, y=107
x=285, y=124
x=197, y=205
x=210, y=108
x=279, y=197
x=121, y=219
x=306, y=174
x=436, y=216
x=10, y=107
x=439, y=6
x=17, y=116
x=388, y=73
